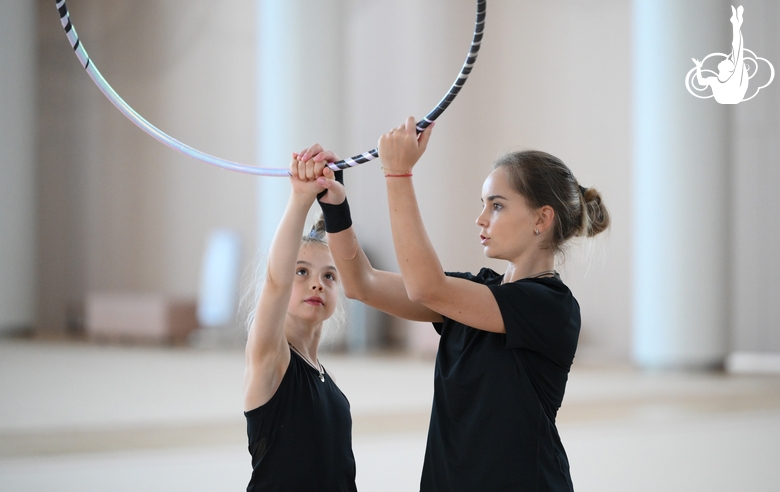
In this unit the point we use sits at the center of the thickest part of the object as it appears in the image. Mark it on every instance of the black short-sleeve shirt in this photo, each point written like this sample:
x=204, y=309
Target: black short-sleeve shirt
x=496, y=395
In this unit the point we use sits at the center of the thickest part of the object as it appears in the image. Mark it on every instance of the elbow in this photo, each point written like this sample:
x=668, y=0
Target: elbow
x=427, y=292
x=351, y=292
x=355, y=289
x=420, y=294
x=359, y=286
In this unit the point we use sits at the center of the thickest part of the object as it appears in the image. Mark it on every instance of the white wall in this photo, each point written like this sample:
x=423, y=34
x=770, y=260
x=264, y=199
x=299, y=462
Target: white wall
x=118, y=210
x=550, y=75
x=17, y=164
x=754, y=194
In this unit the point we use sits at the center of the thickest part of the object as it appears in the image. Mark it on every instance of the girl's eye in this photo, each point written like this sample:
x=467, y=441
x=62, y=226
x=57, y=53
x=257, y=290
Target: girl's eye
x=497, y=206
x=301, y=271
x=330, y=276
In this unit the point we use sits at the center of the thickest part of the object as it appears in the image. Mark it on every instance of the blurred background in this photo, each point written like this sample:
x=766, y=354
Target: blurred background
x=122, y=262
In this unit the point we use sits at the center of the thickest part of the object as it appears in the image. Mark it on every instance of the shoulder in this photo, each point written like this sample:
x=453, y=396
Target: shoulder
x=542, y=295
x=540, y=314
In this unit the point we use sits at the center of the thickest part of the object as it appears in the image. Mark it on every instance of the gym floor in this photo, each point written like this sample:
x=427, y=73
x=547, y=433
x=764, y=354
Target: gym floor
x=83, y=417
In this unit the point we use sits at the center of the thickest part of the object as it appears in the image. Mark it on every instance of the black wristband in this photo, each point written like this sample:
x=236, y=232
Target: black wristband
x=337, y=217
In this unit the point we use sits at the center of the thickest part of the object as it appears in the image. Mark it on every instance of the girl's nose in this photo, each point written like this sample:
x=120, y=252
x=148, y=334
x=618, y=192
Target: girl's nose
x=481, y=222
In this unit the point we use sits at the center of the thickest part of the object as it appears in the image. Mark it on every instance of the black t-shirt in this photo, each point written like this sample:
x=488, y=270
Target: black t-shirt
x=496, y=395
x=301, y=439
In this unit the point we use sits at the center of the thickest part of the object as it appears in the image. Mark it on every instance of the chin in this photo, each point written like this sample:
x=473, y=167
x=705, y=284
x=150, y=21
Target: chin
x=489, y=254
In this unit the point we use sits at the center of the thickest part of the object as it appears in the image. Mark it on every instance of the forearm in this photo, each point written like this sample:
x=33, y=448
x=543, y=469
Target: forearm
x=267, y=330
x=420, y=267
x=379, y=289
x=283, y=252
x=351, y=262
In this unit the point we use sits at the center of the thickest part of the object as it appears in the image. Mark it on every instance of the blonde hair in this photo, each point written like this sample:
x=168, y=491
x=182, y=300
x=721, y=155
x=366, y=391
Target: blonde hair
x=256, y=277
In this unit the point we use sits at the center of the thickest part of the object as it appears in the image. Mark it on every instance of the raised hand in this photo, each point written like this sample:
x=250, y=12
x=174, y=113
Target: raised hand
x=301, y=183
x=402, y=147
x=313, y=164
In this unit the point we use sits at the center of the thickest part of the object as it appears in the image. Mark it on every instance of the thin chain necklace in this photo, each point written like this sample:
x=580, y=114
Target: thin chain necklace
x=546, y=273
x=318, y=366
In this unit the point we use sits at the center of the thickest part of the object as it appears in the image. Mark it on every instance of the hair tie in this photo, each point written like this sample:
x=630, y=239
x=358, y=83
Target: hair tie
x=582, y=190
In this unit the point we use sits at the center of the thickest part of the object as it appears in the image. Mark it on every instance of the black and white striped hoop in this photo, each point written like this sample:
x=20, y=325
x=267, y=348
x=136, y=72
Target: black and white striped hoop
x=164, y=138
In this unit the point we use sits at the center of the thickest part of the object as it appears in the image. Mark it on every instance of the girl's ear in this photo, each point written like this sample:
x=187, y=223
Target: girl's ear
x=544, y=218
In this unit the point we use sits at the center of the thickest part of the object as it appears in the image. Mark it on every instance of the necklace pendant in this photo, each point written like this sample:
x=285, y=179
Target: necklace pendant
x=322, y=377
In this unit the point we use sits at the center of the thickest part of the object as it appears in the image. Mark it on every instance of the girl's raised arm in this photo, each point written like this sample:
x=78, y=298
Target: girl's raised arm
x=377, y=288
x=267, y=353
x=423, y=276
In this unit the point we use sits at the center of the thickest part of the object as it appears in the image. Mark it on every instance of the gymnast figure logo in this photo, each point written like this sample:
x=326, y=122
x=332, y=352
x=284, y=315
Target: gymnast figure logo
x=730, y=84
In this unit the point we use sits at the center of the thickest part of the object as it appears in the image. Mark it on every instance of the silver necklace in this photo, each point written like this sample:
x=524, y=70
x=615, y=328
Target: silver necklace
x=546, y=273
x=319, y=369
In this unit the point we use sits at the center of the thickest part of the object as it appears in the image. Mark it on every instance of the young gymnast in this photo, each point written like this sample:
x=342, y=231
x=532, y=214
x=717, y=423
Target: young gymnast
x=507, y=340
x=298, y=421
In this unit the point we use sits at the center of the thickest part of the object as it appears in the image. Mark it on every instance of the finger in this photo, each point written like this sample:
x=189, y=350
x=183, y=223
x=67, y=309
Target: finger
x=411, y=125
x=335, y=192
x=310, y=174
x=301, y=170
x=424, y=137
x=327, y=184
x=328, y=173
x=326, y=156
x=318, y=167
x=311, y=151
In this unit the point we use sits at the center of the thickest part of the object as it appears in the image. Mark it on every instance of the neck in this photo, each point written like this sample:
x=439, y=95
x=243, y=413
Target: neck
x=304, y=337
x=528, y=267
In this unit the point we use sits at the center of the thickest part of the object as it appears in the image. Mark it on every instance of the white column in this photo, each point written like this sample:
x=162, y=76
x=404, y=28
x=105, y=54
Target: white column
x=299, y=92
x=17, y=165
x=682, y=206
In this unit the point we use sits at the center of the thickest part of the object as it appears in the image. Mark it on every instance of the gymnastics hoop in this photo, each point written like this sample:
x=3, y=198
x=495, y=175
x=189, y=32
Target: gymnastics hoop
x=171, y=142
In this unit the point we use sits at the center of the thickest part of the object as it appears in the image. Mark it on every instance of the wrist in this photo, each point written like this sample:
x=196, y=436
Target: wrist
x=396, y=173
x=301, y=199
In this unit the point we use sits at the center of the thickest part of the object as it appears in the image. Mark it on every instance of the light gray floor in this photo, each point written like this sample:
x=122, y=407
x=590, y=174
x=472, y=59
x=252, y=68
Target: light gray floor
x=79, y=417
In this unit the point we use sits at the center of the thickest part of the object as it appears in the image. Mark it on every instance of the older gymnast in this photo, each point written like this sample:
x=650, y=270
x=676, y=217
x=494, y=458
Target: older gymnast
x=507, y=341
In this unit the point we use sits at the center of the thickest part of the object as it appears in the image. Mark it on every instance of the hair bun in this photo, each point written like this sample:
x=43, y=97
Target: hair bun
x=596, y=217
x=317, y=231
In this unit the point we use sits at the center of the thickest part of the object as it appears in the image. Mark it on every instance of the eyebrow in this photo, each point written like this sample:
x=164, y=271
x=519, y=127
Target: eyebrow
x=329, y=267
x=492, y=198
